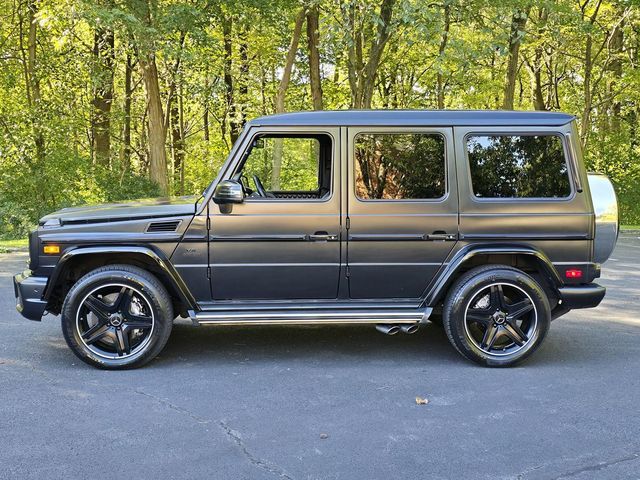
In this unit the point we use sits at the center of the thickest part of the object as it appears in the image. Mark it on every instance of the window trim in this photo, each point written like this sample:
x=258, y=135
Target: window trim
x=441, y=199
x=513, y=133
x=289, y=134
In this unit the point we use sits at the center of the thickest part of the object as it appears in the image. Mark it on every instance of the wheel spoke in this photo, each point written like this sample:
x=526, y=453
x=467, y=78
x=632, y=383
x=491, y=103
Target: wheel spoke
x=123, y=301
x=90, y=337
x=122, y=342
x=98, y=308
x=490, y=336
x=519, y=309
x=497, y=297
x=514, y=332
x=480, y=316
x=137, y=321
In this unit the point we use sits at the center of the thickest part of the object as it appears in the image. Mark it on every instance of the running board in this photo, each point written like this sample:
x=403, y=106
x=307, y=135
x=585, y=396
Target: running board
x=306, y=317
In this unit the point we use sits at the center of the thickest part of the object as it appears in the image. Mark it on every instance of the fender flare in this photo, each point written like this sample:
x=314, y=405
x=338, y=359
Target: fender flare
x=159, y=260
x=444, y=279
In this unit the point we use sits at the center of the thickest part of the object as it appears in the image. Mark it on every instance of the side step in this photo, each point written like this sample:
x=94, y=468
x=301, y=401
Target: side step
x=313, y=317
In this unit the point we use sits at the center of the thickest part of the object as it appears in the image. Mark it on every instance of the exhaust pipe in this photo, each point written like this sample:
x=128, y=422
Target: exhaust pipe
x=387, y=329
x=410, y=329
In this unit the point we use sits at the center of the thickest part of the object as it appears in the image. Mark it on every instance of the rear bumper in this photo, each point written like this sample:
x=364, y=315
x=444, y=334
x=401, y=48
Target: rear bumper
x=582, y=296
x=28, y=291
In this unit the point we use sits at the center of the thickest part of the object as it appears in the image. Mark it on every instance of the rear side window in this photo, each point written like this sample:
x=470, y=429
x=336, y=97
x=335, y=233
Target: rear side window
x=392, y=166
x=518, y=166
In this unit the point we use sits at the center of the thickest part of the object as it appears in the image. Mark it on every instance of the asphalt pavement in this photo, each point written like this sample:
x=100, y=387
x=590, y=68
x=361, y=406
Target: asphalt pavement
x=328, y=402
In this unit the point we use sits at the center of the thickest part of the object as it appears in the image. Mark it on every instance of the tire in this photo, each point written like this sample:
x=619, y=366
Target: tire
x=117, y=317
x=496, y=315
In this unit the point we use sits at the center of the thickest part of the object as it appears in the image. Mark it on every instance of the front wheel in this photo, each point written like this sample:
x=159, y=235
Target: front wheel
x=496, y=315
x=117, y=317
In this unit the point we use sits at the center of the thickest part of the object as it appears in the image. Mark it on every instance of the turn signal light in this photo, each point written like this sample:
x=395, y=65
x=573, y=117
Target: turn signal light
x=51, y=249
x=573, y=273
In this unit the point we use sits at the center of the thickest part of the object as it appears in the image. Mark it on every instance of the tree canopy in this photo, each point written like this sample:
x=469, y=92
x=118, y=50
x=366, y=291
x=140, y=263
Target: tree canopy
x=102, y=100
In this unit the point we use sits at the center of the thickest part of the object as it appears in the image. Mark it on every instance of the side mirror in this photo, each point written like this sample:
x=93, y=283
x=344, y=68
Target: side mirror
x=228, y=192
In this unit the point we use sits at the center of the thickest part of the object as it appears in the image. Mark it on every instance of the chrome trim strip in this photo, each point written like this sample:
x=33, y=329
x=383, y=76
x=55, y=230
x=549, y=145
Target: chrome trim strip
x=524, y=236
x=309, y=318
x=299, y=321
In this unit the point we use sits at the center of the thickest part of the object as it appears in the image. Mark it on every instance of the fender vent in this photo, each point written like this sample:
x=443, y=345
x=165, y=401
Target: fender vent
x=163, y=227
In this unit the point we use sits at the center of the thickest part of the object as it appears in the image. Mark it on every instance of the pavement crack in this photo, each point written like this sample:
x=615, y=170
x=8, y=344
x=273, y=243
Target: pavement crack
x=229, y=432
x=172, y=406
x=235, y=437
x=599, y=466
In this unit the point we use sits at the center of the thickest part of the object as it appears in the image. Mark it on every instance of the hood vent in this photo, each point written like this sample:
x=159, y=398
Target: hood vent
x=163, y=227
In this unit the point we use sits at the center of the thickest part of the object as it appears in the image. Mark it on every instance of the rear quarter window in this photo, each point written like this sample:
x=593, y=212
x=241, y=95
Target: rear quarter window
x=518, y=166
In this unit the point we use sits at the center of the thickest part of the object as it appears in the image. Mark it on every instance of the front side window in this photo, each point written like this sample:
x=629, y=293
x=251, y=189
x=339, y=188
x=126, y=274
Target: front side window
x=287, y=167
x=518, y=166
x=392, y=166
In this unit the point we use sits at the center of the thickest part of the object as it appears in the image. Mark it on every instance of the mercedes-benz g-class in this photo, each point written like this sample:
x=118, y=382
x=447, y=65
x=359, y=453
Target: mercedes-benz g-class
x=484, y=222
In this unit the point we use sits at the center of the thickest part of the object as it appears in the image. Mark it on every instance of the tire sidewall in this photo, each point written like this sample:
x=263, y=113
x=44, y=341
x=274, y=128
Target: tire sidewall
x=465, y=291
x=154, y=295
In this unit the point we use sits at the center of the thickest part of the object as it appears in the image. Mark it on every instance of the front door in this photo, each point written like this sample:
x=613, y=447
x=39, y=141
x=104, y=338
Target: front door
x=402, y=209
x=283, y=241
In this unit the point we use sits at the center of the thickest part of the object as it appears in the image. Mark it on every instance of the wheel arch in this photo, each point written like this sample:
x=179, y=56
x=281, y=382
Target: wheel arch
x=524, y=257
x=75, y=263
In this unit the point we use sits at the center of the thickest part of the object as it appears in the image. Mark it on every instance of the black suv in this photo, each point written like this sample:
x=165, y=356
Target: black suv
x=482, y=221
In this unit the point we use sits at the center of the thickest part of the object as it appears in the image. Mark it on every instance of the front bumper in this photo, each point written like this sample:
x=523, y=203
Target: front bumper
x=28, y=290
x=581, y=296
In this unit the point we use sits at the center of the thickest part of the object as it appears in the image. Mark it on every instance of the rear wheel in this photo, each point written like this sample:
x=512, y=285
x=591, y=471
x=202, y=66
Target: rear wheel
x=496, y=315
x=116, y=317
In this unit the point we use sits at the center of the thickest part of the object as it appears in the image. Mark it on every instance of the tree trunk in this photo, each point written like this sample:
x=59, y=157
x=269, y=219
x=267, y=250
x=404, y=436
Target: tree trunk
x=585, y=121
x=205, y=123
x=375, y=53
x=280, y=95
x=313, y=40
x=518, y=24
x=177, y=145
x=362, y=77
x=157, y=130
x=33, y=81
x=535, y=66
x=443, y=45
x=125, y=154
x=104, y=60
x=227, y=29
x=243, y=79
x=354, y=54
x=616, y=47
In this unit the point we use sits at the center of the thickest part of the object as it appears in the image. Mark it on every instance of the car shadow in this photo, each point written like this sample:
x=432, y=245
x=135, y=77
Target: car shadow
x=308, y=343
x=569, y=342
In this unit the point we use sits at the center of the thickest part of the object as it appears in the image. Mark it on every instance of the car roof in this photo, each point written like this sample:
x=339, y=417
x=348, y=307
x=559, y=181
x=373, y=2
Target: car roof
x=416, y=118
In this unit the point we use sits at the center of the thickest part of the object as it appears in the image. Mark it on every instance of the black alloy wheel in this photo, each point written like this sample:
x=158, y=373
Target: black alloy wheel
x=496, y=315
x=117, y=316
x=500, y=319
x=115, y=321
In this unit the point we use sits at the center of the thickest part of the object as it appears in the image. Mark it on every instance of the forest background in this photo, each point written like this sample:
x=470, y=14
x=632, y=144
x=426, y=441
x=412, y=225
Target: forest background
x=108, y=100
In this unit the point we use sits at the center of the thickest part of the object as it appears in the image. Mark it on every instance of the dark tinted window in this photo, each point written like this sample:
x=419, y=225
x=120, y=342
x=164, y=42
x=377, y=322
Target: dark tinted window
x=518, y=166
x=400, y=166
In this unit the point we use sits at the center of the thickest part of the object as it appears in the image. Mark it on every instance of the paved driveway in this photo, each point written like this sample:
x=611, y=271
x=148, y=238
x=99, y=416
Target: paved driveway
x=328, y=403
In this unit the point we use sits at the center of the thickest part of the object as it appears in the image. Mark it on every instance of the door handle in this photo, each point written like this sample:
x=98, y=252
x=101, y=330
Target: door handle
x=441, y=236
x=322, y=237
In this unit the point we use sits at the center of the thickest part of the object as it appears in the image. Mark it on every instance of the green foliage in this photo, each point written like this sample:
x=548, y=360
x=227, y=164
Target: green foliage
x=220, y=63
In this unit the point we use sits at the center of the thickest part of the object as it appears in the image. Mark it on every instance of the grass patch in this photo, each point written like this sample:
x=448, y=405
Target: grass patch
x=10, y=245
x=629, y=227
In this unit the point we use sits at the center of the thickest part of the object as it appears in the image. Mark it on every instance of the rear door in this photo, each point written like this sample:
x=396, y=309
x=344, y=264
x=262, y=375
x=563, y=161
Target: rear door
x=402, y=209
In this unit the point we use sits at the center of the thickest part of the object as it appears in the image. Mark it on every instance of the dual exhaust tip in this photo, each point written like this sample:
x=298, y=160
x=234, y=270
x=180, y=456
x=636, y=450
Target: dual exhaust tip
x=391, y=329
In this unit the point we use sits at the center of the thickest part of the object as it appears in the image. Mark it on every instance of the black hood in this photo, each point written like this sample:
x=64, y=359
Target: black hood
x=137, y=209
